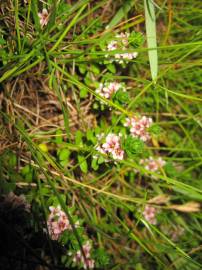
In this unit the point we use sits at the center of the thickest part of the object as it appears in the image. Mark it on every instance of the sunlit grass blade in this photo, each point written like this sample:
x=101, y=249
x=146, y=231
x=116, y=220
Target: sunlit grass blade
x=150, y=21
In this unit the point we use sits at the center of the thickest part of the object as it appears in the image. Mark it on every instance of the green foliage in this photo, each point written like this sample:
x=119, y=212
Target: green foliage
x=94, y=164
x=63, y=155
x=133, y=146
x=101, y=257
x=78, y=138
x=136, y=39
x=121, y=97
x=155, y=129
x=28, y=173
x=83, y=163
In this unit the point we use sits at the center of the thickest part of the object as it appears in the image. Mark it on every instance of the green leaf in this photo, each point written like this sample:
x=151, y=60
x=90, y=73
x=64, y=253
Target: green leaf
x=58, y=139
x=25, y=170
x=44, y=191
x=83, y=93
x=100, y=160
x=111, y=68
x=88, y=79
x=95, y=69
x=12, y=160
x=90, y=136
x=2, y=41
x=150, y=21
x=78, y=138
x=64, y=154
x=83, y=163
x=82, y=69
x=27, y=173
x=94, y=164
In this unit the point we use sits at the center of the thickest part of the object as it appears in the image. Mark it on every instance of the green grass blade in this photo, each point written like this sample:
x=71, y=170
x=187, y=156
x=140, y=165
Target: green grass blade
x=70, y=25
x=17, y=24
x=150, y=21
x=51, y=22
x=122, y=12
x=34, y=9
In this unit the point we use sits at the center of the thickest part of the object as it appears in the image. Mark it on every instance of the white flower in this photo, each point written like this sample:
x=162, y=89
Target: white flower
x=112, y=46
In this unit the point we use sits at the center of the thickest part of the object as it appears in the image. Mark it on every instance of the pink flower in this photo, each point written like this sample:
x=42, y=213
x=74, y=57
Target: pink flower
x=112, y=145
x=43, y=17
x=106, y=90
x=152, y=164
x=146, y=121
x=150, y=214
x=57, y=222
x=87, y=261
x=121, y=43
x=118, y=154
x=123, y=38
x=139, y=127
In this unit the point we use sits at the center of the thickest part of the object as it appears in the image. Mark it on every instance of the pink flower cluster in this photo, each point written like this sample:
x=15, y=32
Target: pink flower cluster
x=139, y=127
x=87, y=262
x=57, y=222
x=150, y=214
x=106, y=90
x=152, y=164
x=112, y=146
x=121, y=44
x=43, y=17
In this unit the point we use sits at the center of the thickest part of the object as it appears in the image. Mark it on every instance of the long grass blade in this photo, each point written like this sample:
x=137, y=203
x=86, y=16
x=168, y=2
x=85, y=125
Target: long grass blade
x=150, y=21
